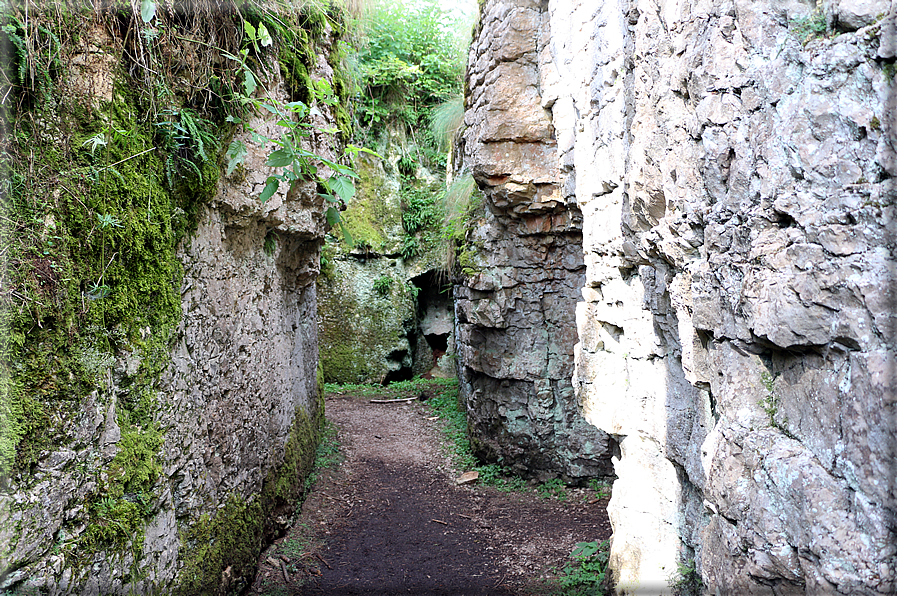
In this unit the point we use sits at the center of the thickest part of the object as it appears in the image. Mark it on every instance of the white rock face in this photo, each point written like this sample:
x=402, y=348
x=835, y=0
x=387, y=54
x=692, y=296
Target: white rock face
x=737, y=335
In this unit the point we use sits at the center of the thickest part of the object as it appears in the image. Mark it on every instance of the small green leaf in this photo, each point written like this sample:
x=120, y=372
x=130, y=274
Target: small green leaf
x=249, y=30
x=233, y=119
x=270, y=189
x=269, y=107
x=249, y=82
x=353, y=150
x=264, y=36
x=332, y=216
x=236, y=154
x=341, y=186
x=346, y=235
x=297, y=106
x=147, y=10
x=280, y=158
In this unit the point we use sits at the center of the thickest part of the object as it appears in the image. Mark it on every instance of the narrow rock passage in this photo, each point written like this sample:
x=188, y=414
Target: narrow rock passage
x=391, y=520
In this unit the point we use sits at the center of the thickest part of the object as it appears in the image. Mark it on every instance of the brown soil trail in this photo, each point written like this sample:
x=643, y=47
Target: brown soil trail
x=391, y=520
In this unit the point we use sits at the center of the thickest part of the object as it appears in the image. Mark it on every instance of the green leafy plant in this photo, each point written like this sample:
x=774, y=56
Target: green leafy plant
x=187, y=140
x=295, y=163
x=383, y=285
x=769, y=403
x=686, y=581
x=554, y=488
x=410, y=247
x=586, y=573
x=602, y=488
x=812, y=26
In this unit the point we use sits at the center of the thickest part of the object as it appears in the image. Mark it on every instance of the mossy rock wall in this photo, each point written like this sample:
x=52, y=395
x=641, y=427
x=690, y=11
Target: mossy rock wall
x=159, y=403
x=369, y=312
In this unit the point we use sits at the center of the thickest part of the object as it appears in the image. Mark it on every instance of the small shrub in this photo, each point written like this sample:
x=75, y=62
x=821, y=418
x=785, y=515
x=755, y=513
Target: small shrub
x=686, y=581
x=812, y=26
x=586, y=573
x=553, y=488
x=382, y=285
x=602, y=488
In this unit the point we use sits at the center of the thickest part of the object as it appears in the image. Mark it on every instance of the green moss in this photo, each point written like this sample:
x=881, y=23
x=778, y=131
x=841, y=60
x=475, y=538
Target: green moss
x=467, y=262
x=234, y=536
x=355, y=348
x=93, y=240
x=295, y=60
x=368, y=215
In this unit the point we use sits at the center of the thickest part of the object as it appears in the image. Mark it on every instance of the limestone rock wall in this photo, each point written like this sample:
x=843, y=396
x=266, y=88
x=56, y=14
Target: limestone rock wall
x=735, y=175
x=238, y=407
x=523, y=264
x=380, y=304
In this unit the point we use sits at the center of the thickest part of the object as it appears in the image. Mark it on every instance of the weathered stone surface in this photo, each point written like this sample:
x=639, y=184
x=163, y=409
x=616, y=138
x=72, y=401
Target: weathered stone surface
x=737, y=329
x=379, y=311
x=515, y=310
x=242, y=375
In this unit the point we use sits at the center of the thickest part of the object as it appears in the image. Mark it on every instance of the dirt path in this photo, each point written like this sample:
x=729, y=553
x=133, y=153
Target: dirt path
x=391, y=520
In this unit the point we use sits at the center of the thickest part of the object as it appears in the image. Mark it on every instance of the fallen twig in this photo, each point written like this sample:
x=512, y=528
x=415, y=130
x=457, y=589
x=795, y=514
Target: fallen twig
x=393, y=401
x=286, y=575
x=323, y=561
x=439, y=521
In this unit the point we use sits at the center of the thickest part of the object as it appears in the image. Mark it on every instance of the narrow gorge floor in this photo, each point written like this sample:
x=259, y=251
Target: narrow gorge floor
x=390, y=518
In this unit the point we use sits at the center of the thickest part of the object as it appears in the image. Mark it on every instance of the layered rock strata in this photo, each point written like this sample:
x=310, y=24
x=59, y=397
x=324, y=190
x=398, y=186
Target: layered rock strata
x=733, y=163
x=523, y=265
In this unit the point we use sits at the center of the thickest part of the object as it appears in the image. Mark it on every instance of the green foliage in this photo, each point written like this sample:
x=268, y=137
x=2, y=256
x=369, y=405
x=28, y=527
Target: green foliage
x=188, y=141
x=686, y=581
x=33, y=64
x=383, y=285
x=602, y=488
x=770, y=403
x=812, y=26
x=554, y=488
x=410, y=247
x=446, y=120
x=419, y=208
x=413, y=60
x=586, y=573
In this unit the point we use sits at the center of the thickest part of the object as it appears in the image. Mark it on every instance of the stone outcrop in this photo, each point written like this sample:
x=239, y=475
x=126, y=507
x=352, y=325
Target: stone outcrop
x=382, y=316
x=237, y=408
x=523, y=265
x=734, y=166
